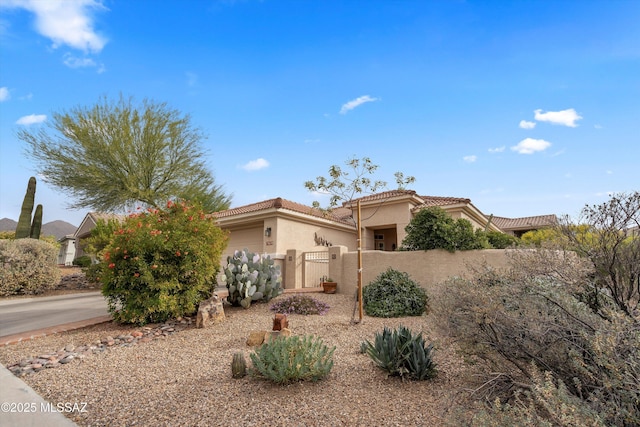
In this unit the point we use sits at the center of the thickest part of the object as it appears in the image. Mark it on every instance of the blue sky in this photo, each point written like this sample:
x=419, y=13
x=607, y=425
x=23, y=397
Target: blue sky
x=525, y=107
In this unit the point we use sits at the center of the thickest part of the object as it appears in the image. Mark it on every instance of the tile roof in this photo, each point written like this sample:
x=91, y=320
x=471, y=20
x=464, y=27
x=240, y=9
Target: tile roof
x=384, y=195
x=524, y=222
x=430, y=201
x=342, y=215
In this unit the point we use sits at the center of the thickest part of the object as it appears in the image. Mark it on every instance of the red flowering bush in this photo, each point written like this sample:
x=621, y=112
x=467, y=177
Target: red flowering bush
x=161, y=263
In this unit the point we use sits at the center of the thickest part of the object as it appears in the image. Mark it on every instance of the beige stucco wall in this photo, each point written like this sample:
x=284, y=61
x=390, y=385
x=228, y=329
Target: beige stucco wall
x=385, y=215
x=428, y=268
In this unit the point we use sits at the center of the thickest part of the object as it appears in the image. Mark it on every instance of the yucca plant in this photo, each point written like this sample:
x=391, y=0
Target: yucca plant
x=401, y=353
x=290, y=359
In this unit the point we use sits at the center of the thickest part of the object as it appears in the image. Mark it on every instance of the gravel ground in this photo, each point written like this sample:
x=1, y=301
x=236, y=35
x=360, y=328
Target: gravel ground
x=185, y=379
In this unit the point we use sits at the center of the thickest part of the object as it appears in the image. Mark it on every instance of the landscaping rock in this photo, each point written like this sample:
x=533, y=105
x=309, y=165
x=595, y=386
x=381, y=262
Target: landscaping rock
x=256, y=338
x=70, y=352
x=210, y=312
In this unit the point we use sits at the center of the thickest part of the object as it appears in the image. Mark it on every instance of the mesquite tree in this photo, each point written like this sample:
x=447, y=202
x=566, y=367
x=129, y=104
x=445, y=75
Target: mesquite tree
x=344, y=186
x=116, y=154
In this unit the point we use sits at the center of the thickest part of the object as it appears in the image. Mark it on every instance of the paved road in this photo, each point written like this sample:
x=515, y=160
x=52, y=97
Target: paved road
x=28, y=314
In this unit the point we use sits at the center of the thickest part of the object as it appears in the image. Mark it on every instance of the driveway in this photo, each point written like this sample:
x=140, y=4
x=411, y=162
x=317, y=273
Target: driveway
x=30, y=314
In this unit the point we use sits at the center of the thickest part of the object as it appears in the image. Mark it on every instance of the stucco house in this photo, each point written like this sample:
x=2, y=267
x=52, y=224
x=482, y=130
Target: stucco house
x=67, y=251
x=88, y=223
x=297, y=236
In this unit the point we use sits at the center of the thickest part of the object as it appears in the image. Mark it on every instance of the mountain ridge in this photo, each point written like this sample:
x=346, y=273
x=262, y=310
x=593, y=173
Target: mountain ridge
x=57, y=228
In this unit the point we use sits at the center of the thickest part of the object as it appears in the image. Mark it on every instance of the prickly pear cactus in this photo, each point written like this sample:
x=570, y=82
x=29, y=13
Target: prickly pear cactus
x=238, y=365
x=251, y=277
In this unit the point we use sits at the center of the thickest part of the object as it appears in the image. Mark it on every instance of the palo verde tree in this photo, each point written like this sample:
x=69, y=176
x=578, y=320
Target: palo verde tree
x=344, y=186
x=117, y=154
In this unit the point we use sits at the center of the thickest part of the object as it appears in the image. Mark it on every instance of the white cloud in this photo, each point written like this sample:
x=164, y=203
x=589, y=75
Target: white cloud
x=597, y=126
x=564, y=117
x=255, y=165
x=470, y=159
x=4, y=94
x=66, y=22
x=497, y=149
x=609, y=172
x=527, y=125
x=530, y=146
x=31, y=119
x=75, y=62
x=355, y=103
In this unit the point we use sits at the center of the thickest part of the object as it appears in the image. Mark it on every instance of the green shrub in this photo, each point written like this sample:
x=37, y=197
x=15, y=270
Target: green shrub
x=500, y=240
x=300, y=304
x=394, y=294
x=83, y=261
x=161, y=264
x=290, y=359
x=433, y=228
x=251, y=277
x=28, y=266
x=401, y=353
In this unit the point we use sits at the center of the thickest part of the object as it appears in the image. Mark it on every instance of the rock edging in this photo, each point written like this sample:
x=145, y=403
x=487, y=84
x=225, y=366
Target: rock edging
x=70, y=352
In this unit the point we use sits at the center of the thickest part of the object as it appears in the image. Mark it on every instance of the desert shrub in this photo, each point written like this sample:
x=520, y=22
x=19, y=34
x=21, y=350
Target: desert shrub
x=29, y=266
x=500, y=240
x=161, y=263
x=401, y=353
x=433, y=228
x=7, y=235
x=83, y=261
x=290, y=359
x=394, y=294
x=300, y=304
x=251, y=277
x=531, y=319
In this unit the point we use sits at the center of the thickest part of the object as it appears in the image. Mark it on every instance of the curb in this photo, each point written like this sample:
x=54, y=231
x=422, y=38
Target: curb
x=29, y=335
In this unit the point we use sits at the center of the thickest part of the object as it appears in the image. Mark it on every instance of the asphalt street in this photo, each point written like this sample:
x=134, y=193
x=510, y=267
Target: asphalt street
x=29, y=314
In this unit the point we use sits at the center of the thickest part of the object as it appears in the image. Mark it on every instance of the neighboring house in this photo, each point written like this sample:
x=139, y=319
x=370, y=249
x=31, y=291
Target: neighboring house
x=88, y=223
x=519, y=226
x=67, y=252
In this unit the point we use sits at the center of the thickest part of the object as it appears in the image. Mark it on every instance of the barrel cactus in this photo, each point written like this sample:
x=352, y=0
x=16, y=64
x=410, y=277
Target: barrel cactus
x=250, y=277
x=238, y=365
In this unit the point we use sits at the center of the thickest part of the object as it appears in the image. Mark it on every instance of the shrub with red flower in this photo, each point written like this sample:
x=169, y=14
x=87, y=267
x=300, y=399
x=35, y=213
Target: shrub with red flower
x=159, y=267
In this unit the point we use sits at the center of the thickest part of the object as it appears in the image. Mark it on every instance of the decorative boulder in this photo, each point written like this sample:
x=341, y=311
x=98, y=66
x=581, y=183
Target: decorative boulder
x=256, y=338
x=280, y=322
x=210, y=312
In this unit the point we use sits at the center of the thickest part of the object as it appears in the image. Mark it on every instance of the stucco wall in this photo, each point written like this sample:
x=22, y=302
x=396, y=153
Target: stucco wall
x=428, y=268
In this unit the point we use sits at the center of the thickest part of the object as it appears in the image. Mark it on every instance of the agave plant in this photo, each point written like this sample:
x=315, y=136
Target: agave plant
x=402, y=353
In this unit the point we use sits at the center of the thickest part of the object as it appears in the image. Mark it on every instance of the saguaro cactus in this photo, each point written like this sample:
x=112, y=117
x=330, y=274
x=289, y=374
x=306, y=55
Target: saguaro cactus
x=23, y=230
x=36, y=225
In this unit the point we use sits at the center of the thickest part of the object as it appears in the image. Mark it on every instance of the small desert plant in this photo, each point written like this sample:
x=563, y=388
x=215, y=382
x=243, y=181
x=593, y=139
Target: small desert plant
x=27, y=266
x=300, y=304
x=290, y=359
x=82, y=261
x=394, y=294
x=401, y=353
x=238, y=365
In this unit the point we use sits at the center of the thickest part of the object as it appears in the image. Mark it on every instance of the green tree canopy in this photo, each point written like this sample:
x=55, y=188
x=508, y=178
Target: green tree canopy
x=433, y=228
x=116, y=154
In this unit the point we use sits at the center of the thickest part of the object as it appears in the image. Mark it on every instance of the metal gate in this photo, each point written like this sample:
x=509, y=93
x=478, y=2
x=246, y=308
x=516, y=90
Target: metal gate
x=315, y=267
